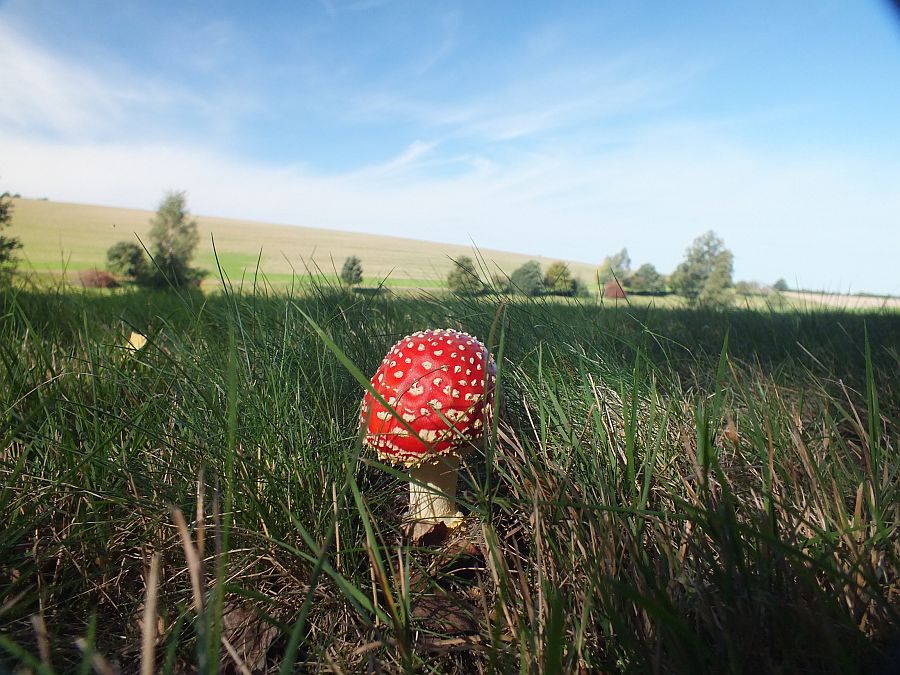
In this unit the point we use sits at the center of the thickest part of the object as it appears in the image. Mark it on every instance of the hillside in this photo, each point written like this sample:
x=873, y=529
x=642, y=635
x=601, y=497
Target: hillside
x=57, y=235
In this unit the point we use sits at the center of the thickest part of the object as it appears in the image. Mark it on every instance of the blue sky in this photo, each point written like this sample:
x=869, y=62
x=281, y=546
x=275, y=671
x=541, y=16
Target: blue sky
x=569, y=130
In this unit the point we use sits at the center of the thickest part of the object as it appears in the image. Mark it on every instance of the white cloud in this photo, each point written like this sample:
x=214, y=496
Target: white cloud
x=41, y=92
x=827, y=223
x=823, y=220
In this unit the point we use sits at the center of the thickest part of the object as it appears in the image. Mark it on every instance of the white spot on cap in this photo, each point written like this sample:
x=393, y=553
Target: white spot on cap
x=456, y=369
x=455, y=393
x=383, y=415
x=453, y=355
x=426, y=365
x=409, y=417
x=437, y=381
x=435, y=404
x=420, y=348
x=398, y=374
x=446, y=390
x=416, y=390
x=438, y=352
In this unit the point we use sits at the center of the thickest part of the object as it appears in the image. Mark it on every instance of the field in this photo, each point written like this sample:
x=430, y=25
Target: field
x=666, y=490
x=59, y=236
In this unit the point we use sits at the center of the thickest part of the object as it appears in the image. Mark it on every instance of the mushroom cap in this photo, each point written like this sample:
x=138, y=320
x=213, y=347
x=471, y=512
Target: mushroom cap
x=440, y=382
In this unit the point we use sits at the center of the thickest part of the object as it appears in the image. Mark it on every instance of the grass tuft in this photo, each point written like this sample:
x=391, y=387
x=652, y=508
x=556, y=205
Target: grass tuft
x=664, y=489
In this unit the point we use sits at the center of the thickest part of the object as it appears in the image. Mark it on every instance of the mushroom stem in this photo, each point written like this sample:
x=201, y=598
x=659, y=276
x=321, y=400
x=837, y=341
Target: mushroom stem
x=432, y=495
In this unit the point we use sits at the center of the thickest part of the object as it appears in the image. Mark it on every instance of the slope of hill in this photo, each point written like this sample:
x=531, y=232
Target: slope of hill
x=59, y=235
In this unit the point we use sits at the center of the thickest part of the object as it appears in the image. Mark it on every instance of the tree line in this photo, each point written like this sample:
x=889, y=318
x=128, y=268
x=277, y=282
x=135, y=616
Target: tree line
x=703, y=278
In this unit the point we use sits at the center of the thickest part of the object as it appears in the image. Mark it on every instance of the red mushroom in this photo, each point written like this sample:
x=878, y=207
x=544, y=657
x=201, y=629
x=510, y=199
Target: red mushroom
x=438, y=386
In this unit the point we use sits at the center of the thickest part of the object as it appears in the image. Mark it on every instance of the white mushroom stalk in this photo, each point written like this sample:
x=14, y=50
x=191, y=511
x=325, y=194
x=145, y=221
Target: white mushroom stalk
x=432, y=494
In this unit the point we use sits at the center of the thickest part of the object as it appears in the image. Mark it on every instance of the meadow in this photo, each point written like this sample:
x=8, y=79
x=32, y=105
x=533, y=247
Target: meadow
x=665, y=490
x=61, y=238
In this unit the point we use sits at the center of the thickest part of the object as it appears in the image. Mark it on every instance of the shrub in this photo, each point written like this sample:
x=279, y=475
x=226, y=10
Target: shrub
x=8, y=245
x=463, y=279
x=528, y=279
x=646, y=280
x=352, y=271
x=558, y=279
x=126, y=259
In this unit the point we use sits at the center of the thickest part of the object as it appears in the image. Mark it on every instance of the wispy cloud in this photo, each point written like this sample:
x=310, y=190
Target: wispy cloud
x=495, y=164
x=45, y=94
x=42, y=93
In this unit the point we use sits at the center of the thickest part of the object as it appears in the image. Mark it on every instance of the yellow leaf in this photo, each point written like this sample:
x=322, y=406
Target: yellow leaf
x=136, y=341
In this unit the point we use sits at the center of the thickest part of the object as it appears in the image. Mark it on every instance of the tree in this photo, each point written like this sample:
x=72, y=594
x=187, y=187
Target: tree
x=352, y=271
x=173, y=238
x=646, y=280
x=8, y=245
x=781, y=286
x=704, y=277
x=528, y=279
x=463, y=279
x=615, y=266
x=127, y=260
x=558, y=279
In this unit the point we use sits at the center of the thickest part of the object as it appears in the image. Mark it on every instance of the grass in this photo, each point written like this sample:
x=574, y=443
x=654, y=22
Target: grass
x=666, y=490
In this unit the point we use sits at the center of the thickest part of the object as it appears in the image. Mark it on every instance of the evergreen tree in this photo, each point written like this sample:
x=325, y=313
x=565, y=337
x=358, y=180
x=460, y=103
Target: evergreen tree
x=352, y=271
x=173, y=238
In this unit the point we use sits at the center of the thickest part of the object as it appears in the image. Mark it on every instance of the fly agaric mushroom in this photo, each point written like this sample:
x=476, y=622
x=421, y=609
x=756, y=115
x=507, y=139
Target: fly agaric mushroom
x=438, y=386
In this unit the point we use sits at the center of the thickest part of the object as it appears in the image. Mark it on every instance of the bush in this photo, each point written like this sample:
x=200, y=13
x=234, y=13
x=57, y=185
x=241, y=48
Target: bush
x=352, y=271
x=98, y=279
x=781, y=286
x=463, y=279
x=126, y=260
x=8, y=245
x=558, y=279
x=646, y=280
x=528, y=279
